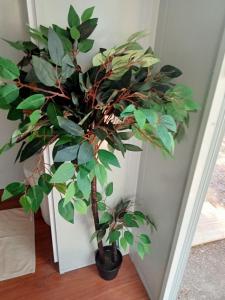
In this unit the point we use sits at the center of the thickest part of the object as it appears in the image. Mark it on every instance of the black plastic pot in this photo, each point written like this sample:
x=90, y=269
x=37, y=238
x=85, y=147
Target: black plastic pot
x=108, y=270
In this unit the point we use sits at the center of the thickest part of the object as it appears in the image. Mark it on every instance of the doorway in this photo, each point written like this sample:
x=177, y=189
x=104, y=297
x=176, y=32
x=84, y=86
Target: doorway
x=204, y=276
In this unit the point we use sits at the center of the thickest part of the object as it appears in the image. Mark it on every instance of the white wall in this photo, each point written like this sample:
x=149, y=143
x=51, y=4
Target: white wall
x=13, y=20
x=188, y=36
x=117, y=20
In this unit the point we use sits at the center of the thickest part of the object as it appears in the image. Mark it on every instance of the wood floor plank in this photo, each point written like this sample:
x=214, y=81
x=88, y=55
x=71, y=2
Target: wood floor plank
x=83, y=284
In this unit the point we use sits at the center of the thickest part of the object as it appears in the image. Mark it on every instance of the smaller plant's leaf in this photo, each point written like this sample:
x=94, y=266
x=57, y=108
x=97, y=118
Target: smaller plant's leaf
x=140, y=118
x=106, y=218
x=123, y=243
x=141, y=250
x=145, y=239
x=63, y=173
x=129, y=237
x=12, y=190
x=114, y=236
x=101, y=206
x=165, y=137
x=128, y=111
x=87, y=14
x=73, y=18
x=129, y=220
x=109, y=189
x=168, y=122
x=66, y=211
x=80, y=206
x=8, y=70
x=171, y=71
x=33, y=102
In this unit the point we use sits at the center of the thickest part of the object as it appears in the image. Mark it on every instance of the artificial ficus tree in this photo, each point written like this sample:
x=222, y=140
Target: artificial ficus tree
x=122, y=95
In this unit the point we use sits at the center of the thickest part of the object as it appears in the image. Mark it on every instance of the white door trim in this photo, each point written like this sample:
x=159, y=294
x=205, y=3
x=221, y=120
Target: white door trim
x=32, y=20
x=209, y=140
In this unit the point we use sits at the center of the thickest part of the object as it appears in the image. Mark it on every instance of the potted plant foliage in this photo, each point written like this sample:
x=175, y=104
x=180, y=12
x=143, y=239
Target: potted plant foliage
x=120, y=96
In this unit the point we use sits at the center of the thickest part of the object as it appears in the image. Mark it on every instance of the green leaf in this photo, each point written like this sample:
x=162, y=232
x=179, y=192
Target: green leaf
x=18, y=45
x=9, y=93
x=85, y=153
x=87, y=27
x=84, y=184
x=73, y=18
x=74, y=32
x=36, y=195
x=66, y=211
x=31, y=148
x=125, y=135
x=52, y=112
x=191, y=105
x=68, y=67
x=80, y=206
x=140, y=217
x=61, y=187
x=108, y=158
x=44, y=71
x=109, y=189
x=170, y=71
x=12, y=190
x=63, y=173
x=131, y=147
x=165, y=137
x=8, y=70
x=25, y=202
x=70, y=192
x=128, y=110
x=101, y=174
x=101, y=206
x=35, y=117
x=85, y=45
x=129, y=220
x=123, y=243
x=33, y=102
x=70, y=126
x=145, y=239
x=55, y=47
x=106, y=218
x=114, y=236
x=44, y=183
x=168, y=122
x=87, y=14
x=140, y=118
x=66, y=153
x=129, y=237
x=152, y=116
x=141, y=250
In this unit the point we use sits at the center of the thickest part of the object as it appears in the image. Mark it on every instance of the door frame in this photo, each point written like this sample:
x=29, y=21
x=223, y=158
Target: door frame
x=208, y=144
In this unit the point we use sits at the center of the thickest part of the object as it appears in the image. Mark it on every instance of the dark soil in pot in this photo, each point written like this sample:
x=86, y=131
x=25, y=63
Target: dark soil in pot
x=109, y=269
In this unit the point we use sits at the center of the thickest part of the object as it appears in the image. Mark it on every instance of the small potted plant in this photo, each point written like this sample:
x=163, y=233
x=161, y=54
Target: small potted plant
x=120, y=96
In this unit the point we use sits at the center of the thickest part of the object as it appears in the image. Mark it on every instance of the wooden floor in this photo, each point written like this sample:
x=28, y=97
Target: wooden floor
x=82, y=284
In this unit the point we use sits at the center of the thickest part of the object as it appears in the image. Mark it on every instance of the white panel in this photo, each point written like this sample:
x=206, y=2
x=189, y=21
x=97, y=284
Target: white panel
x=188, y=36
x=13, y=20
x=117, y=20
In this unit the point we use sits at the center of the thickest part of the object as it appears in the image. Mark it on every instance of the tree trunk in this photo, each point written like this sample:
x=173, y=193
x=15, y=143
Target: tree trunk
x=94, y=206
x=114, y=252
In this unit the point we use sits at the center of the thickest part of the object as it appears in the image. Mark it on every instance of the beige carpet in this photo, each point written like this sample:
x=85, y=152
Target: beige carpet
x=17, y=243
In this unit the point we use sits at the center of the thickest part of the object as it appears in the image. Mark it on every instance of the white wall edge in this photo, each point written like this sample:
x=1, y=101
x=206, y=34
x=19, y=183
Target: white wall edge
x=209, y=140
x=32, y=19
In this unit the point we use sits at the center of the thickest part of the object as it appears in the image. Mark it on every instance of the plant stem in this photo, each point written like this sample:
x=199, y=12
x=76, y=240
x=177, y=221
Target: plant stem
x=114, y=252
x=95, y=215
